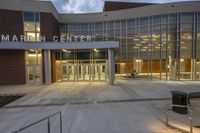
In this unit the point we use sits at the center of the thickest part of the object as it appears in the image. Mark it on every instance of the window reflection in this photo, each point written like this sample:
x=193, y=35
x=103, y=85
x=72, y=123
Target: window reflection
x=31, y=26
x=157, y=47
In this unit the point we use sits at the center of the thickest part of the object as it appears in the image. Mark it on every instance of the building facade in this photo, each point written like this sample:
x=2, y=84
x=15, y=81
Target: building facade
x=40, y=45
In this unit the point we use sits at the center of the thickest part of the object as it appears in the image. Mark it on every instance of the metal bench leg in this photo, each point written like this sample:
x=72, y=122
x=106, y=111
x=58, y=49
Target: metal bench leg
x=191, y=120
x=167, y=114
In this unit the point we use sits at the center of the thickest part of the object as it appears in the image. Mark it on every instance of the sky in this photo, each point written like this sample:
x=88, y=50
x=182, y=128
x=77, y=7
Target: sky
x=90, y=6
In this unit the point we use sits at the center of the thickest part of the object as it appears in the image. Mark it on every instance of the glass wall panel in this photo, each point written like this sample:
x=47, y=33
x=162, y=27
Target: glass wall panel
x=198, y=47
x=156, y=47
x=185, y=50
x=32, y=26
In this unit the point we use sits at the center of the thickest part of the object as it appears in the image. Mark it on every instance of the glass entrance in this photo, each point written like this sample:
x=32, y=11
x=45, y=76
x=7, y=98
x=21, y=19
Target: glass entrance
x=84, y=72
x=68, y=72
x=99, y=72
x=82, y=65
x=33, y=74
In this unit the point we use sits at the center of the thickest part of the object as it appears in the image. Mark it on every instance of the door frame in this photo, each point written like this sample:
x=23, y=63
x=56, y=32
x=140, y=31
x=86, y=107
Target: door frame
x=34, y=74
x=67, y=72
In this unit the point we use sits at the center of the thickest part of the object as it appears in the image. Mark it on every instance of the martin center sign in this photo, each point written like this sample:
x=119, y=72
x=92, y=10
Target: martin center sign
x=68, y=38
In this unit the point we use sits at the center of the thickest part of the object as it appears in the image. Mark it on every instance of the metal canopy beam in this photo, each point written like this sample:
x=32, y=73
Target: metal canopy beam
x=59, y=45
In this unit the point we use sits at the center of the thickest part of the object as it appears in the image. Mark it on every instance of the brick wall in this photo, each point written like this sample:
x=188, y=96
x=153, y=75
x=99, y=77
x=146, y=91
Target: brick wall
x=12, y=62
x=49, y=26
x=11, y=22
x=12, y=67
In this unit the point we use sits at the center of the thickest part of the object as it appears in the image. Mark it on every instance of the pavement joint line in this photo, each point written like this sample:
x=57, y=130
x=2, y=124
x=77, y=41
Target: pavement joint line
x=87, y=102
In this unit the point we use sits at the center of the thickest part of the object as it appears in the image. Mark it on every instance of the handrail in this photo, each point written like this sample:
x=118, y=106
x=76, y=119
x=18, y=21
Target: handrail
x=46, y=118
x=190, y=118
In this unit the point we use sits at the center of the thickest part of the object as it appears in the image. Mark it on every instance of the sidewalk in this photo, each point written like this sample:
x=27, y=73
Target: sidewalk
x=128, y=106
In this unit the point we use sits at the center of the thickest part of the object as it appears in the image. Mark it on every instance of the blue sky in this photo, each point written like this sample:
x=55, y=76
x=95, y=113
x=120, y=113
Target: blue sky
x=86, y=6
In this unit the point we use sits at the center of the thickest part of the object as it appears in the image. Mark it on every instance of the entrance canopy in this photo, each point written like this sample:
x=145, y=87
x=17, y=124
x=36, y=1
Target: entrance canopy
x=59, y=45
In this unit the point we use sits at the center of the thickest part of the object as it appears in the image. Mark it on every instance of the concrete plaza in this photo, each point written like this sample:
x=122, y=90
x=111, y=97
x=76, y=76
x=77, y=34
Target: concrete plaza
x=130, y=106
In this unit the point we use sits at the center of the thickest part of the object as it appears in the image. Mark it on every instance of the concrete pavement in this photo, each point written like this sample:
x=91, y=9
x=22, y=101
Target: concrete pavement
x=91, y=107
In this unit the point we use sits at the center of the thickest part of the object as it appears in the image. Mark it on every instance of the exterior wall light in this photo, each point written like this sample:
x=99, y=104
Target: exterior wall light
x=66, y=51
x=96, y=50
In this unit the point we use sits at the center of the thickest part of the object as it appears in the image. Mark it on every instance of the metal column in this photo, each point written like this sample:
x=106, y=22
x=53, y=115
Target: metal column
x=111, y=66
x=47, y=65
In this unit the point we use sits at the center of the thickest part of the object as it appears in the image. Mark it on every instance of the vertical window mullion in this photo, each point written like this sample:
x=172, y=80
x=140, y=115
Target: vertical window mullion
x=160, y=47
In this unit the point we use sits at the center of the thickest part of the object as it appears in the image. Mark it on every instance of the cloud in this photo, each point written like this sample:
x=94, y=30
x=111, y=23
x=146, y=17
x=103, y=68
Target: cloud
x=79, y=6
x=87, y=6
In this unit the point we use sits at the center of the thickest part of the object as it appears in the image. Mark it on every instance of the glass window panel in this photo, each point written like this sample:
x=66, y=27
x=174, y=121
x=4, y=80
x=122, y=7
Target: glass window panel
x=186, y=26
x=123, y=48
x=29, y=26
x=156, y=19
x=123, y=24
x=99, y=35
x=38, y=37
x=117, y=34
x=84, y=33
x=172, y=36
x=144, y=21
x=62, y=27
x=172, y=28
x=73, y=33
x=172, y=18
x=30, y=36
x=117, y=24
x=186, y=36
x=73, y=27
x=110, y=33
x=37, y=17
x=199, y=16
x=198, y=26
x=130, y=47
x=130, y=55
x=38, y=27
x=131, y=31
x=123, y=36
x=187, y=17
x=163, y=28
x=67, y=55
x=156, y=28
x=84, y=27
x=123, y=55
x=171, y=45
x=99, y=25
x=28, y=16
x=164, y=19
x=130, y=23
x=198, y=48
x=144, y=30
x=91, y=26
x=110, y=24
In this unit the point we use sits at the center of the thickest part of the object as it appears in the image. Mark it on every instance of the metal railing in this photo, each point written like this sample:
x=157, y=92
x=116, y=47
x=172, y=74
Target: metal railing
x=190, y=114
x=48, y=123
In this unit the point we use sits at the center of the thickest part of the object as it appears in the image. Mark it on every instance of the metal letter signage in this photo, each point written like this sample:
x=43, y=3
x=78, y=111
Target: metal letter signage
x=23, y=38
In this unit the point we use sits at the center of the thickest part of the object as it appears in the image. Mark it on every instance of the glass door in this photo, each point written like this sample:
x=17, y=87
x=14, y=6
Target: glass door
x=99, y=72
x=103, y=72
x=64, y=72
x=197, y=70
x=84, y=72
x=80, y=72
x=68, y=72
x=33, y=74
x=87, y=72
x=95, y=72
x=30, y=78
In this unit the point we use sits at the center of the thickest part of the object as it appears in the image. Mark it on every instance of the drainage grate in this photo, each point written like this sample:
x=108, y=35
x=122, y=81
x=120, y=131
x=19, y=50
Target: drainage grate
x=6, y=99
